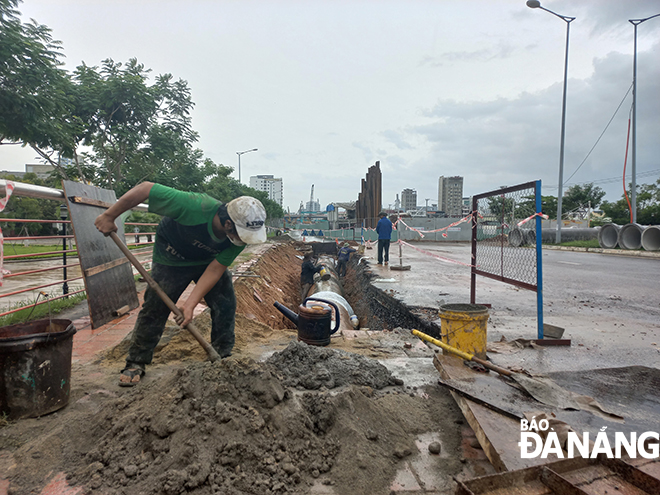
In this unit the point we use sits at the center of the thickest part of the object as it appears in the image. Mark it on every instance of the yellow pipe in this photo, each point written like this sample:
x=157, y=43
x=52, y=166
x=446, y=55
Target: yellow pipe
x=465, y=355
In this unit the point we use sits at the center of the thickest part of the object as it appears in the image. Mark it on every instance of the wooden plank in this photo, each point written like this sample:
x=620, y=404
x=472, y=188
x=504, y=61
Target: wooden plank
x=89, y=201
x=498, y=435
x=104, y=267
x=564, y=477
x=110, y=284
x=634, y=475
x=648, y=466
x=479, y=401
x=559, y=484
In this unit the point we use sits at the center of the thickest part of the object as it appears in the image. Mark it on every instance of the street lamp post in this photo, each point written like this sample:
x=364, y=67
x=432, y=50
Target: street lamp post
x=239, y=153
x=635, y=23
x=63, y=214
x=535, y=4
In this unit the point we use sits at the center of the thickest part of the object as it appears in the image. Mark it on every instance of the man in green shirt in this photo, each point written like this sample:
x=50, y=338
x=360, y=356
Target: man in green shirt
x=197, y=239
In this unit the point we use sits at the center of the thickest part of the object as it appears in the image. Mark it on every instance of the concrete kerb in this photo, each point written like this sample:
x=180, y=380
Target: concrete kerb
x=617, y=252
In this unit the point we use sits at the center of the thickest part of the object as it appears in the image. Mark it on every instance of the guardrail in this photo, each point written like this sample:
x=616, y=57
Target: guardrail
x=40, y=192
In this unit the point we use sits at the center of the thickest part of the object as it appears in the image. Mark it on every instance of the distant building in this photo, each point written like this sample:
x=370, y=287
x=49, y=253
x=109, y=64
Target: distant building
x=450, y=195
x=42, y=171
x=408, y=199
x=314, y=205
x=269, y=184
x=467, y=206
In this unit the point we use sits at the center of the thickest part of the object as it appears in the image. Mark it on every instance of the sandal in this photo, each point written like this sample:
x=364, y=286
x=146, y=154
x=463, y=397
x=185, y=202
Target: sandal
x=134, y=372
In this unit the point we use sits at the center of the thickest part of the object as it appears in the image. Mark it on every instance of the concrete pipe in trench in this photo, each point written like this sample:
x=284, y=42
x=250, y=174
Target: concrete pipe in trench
x=630, y=236
x=329, y=288
x=651, y=238
x=608, y=237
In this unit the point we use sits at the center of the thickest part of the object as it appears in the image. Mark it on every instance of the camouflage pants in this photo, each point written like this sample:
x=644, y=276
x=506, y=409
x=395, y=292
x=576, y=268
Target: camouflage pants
x=150, y=324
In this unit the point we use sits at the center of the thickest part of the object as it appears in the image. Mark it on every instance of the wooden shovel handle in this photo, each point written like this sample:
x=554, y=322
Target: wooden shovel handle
x=465, y=355
x=210, y=351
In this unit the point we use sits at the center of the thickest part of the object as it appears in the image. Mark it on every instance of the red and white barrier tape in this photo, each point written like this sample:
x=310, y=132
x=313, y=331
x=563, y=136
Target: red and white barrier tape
x=441, y=258
x=542, y=215
x=444, y=234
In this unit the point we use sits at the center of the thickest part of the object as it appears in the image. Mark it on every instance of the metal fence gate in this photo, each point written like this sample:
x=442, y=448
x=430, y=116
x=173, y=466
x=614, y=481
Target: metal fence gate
x=506, y=240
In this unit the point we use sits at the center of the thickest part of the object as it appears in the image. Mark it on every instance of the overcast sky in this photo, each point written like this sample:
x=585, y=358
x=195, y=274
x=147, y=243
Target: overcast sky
x=325, y=88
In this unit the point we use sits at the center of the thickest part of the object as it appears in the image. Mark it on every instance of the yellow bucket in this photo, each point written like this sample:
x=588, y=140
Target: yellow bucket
x=463, y=326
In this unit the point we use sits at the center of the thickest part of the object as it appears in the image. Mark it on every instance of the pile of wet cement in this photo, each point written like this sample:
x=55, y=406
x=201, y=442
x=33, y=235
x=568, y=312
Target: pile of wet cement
x=311, y=368
x=234, y=427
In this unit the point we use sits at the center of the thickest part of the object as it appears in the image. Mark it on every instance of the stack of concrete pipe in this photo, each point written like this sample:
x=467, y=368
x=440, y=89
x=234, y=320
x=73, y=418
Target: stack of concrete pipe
x=630, y=236
x=608, y=237
x=520, y=237
x=651, y=238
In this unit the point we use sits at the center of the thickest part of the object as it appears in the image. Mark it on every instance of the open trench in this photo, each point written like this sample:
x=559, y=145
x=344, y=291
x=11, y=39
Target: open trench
x=279, y=416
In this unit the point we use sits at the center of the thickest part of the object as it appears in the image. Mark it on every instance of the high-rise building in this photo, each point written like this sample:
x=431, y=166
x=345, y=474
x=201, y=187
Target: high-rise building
x=408, y=199
x=450, y=195
x=270, y=185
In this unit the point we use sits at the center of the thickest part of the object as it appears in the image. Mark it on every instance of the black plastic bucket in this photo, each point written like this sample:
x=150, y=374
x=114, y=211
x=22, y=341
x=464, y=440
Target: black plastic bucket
x=35, y=367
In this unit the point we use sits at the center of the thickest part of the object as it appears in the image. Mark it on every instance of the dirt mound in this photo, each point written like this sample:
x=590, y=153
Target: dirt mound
x=234, y=428
x=311, y=368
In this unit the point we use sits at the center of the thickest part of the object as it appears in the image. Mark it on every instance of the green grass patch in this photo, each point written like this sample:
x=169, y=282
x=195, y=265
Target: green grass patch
x=12, y=249
x=41, y=311
x=591, y=243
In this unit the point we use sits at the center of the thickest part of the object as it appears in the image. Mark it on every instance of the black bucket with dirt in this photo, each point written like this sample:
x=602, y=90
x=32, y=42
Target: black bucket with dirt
x=35, y=367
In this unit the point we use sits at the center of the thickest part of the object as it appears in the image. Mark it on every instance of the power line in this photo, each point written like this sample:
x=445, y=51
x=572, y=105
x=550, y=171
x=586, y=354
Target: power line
x=608, y=180
x=601, y=135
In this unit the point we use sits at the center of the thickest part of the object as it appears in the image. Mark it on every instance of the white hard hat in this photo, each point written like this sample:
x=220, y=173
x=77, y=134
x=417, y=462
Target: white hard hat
x=249, y=217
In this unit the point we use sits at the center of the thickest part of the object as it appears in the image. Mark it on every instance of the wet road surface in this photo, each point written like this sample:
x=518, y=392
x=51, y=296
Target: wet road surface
x=608, y=304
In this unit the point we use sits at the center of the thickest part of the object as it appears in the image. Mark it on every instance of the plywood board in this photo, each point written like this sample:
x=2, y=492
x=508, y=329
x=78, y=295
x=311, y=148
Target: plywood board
x=108, y=278
x=629, y=391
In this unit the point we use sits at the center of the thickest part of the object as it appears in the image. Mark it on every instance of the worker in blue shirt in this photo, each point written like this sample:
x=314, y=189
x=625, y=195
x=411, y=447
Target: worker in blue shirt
x=384, y=231
x=343, y=255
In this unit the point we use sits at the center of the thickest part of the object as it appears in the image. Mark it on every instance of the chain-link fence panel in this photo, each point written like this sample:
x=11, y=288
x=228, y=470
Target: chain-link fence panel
x=504, y=237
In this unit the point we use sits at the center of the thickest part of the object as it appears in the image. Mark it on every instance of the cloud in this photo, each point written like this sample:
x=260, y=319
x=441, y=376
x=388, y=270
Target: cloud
x=514, y=140
x=502, y=50
x=396, y=138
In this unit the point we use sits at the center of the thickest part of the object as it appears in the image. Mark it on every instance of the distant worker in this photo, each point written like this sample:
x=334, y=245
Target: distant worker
x=307, y=271
x=197, y=239
x=384, y=231
x=343, y=255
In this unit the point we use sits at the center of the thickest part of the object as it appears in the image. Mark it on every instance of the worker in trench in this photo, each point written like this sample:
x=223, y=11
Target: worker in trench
x=343, y=255
x=307, y=271
x=196, y=240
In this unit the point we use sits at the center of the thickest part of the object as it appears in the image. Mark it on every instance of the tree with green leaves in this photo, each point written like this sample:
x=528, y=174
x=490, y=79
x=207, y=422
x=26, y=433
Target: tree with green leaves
x=648, y=206
x=224, y=188
x=582, y=197
x=35, y=91
x=132, y=128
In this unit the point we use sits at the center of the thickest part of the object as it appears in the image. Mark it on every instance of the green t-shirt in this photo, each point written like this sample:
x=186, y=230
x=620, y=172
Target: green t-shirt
x=185, y=236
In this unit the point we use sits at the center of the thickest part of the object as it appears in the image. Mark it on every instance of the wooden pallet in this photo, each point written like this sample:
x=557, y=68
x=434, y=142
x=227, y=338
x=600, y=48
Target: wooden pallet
x=571, y=477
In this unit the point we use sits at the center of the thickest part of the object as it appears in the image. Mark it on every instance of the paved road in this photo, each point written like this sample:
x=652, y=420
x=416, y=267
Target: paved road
x=608, y=304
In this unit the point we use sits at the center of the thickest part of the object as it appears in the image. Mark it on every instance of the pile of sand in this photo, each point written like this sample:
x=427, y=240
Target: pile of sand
x=236, y=427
